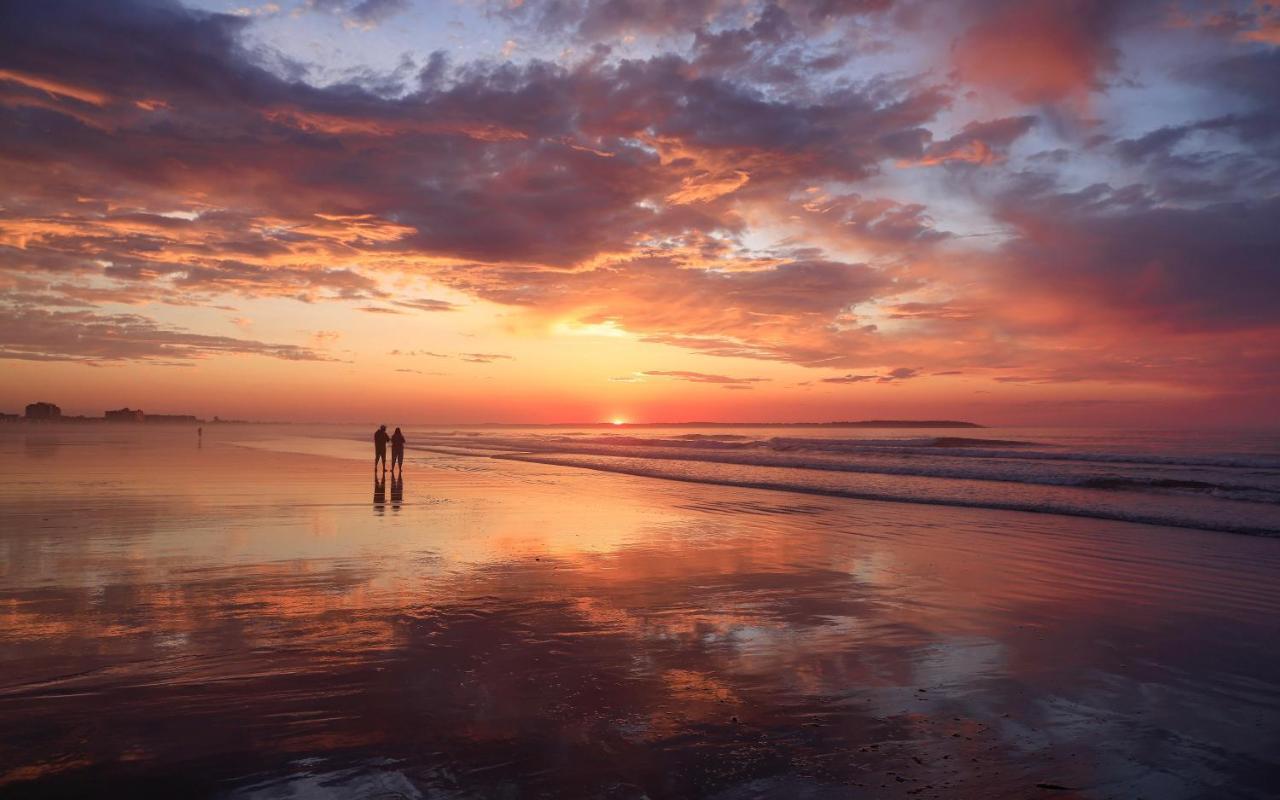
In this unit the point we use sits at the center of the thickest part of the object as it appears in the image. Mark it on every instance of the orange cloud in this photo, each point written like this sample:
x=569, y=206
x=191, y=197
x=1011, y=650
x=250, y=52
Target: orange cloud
x=55, y=87
x=1039, y=51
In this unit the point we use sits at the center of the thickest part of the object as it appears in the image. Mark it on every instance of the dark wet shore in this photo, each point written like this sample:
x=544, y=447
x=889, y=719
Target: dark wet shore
x=247, y=623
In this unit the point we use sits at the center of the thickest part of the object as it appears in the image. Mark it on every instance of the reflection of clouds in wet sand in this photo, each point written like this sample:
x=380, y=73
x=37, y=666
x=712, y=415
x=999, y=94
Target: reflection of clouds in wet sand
x=274, y=635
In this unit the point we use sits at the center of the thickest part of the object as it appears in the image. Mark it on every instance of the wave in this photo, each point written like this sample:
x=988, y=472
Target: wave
x=1155, y=478
x=1223, y=491
x=958, y=448
x=1085, y=506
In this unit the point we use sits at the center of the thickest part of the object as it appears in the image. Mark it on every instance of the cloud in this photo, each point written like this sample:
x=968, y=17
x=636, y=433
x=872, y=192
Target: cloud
x=1115, y=251
x=603, y=20
x=427, y=353
x=899, y=374
x=86, y=336
x=725, y=185
x=703, y=377
x=590, y=164
x=485, y=358
x=918, y=310
x=426, y=304
x=592, y=20
x=784, y=311
x=980, y=143
x=366, y=14
x=1043, y=51
x=878, y=224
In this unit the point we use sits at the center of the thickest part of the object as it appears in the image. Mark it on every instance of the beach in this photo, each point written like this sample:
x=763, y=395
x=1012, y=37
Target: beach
x=254, y=615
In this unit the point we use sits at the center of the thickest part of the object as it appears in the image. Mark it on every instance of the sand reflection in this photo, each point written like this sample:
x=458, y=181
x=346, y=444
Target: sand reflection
x=249, y=625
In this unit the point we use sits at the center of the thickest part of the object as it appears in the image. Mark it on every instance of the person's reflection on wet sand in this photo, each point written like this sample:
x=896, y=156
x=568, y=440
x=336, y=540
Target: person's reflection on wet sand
x=397, y=491
x=379, y=493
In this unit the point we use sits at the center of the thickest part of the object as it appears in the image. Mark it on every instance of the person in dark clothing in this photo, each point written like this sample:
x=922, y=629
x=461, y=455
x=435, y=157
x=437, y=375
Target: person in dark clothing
x=397, y=450
x=380, y=439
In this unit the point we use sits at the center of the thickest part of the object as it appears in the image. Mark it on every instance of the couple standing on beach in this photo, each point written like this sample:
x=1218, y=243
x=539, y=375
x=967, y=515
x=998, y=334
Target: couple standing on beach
x=380, y=439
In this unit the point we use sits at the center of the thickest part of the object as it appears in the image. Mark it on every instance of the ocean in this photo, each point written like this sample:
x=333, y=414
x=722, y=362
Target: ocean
x=1212, y=480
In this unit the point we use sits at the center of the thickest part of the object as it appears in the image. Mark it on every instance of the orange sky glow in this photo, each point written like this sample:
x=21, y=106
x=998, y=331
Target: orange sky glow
x=1008, y=212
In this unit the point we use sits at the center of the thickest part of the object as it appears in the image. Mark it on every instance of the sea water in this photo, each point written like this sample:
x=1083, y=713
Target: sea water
x=1214, y=480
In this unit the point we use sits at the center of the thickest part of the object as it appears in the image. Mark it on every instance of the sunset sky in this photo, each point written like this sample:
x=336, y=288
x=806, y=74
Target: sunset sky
x=1009, y=211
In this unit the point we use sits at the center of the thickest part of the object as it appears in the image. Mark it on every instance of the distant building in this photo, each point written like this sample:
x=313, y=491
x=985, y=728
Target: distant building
x=9, y=417
x=173, y=419
x=126, y=415
x=43, y=411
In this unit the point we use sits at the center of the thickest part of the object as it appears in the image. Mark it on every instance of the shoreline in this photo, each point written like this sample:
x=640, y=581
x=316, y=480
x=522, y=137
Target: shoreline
x=1079, y=510
x=256, y=622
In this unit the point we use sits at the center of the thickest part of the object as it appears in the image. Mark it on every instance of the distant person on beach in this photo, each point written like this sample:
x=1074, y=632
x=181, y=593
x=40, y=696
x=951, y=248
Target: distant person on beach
x=397, y=450
x=380, y=439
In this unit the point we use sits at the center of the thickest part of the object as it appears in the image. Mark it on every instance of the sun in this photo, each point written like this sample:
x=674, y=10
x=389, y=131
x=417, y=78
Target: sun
x=618, y=421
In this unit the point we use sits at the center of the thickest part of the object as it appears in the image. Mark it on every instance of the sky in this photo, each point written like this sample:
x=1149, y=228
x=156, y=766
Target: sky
x=1021, y=212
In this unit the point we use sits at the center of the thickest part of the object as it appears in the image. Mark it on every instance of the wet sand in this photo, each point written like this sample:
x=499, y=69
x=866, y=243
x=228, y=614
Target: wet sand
x=261, y=621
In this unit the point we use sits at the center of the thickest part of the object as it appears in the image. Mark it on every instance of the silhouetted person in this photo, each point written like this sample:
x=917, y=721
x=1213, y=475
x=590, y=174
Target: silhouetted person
x=397, y=489
x=379, y=493
x=397, y=450
x=199, y=437
x=380, y=439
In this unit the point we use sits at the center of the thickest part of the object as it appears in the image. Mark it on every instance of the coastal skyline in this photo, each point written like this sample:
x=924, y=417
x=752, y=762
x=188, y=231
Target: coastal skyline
x=532, y=212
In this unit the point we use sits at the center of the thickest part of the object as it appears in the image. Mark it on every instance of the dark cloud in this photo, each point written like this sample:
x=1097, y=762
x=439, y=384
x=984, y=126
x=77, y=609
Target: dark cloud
x=979, y=142
x=426, y=304
x=603, y=20
x=899, y=374
x=822, y=10
x=594, y=20
x=1176, y=268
